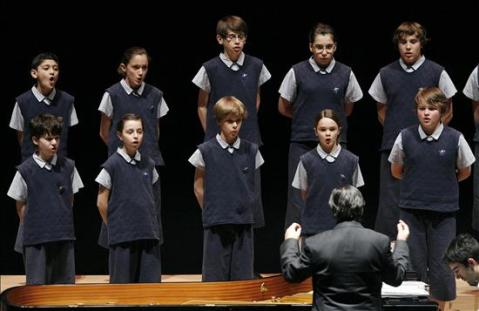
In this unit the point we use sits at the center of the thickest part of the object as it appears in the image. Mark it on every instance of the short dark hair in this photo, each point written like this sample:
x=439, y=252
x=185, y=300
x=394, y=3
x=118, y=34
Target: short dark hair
x=127, y=117
x=232, y=23
x=38, y=59
x=461, y=248
x=347, y=203
x=410, y=29
x=45, y=124
x=322, y=29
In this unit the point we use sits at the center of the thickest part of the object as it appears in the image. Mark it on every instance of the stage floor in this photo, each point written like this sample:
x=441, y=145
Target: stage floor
x=467, y=296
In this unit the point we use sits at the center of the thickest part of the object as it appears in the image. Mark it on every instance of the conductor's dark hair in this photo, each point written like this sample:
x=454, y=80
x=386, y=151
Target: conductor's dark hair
x=347, y=203
x=461, y=248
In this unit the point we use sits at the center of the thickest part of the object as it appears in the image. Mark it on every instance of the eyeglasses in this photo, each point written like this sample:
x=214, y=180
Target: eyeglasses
x=321, y=48
x=232, y=36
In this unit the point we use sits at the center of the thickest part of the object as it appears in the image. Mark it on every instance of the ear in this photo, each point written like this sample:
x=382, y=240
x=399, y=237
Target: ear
x=35, y=140
x=118, y=134
x=34, y=73
x=123, y=67
x=220, y=39
x=472, y=262
x=311, y=47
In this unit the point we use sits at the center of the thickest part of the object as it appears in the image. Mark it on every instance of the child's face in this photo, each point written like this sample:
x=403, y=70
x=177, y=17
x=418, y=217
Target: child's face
x=323, y=49
x=230, y=127
x=327, y=131
x=468, y=274
x=47, y=146
x=131, y=136
x=409, y=49
x=429, y=117
x=233, y=44
x=136, y=70
x=46, y=75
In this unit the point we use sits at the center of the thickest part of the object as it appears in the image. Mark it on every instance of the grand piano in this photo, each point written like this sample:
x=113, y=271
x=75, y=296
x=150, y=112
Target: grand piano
x=270, y=293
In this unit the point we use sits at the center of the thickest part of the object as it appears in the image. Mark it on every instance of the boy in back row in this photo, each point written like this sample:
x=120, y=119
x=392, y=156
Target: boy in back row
x=43, y=188
x=224, y=186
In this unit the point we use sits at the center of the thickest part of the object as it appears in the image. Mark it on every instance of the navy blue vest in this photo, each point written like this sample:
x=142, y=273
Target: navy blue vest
x=61, y=106
x=401, y=88
x=146, y=106
x=429, y=181
x=229, y=185
x=316, y=92
x=132, y=213
x=323, y=177
x=49, y=214
x=242, y=84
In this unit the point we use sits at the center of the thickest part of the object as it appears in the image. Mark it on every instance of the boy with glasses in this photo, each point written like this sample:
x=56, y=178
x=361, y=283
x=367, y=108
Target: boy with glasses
x=309, y=87
x=233, y=73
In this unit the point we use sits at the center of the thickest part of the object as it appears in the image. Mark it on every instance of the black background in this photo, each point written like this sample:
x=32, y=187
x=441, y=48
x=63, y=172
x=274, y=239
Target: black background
x=90, y=40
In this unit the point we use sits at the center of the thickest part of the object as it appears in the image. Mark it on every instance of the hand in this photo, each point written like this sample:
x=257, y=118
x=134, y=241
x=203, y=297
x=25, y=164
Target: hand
x=293, y=231
x=403, y=231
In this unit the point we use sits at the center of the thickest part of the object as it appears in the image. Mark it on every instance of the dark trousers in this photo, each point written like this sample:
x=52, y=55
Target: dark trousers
x=430, y=235
x=50, y=263
x=228, y=253
x=387, y=216
x=295, y=202
x=135, y=262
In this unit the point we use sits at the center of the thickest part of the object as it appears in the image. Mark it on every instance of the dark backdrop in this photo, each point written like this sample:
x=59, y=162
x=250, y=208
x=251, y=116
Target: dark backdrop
x=90, y=41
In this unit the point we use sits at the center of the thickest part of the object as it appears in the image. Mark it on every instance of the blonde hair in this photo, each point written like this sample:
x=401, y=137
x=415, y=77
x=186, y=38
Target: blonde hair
x=434, y=97
x=229, y=105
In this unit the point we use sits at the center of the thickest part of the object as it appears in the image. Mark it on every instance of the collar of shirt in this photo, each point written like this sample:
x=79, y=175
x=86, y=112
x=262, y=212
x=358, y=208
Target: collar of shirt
x=45, y=164
x=228, y=62
x=324, y=71
x=225, y=145
x=124, y=155
x=434, y=136
x=330, y=157
x=42, y=98
x=414, y=67
x=129, y=90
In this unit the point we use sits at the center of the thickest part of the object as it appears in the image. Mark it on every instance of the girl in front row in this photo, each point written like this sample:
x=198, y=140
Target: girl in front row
x=321, y=170
x=126, y=202
x=430, y=160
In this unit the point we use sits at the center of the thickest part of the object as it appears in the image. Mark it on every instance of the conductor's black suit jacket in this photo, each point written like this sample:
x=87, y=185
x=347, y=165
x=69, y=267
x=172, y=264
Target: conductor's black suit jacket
x=348, y=265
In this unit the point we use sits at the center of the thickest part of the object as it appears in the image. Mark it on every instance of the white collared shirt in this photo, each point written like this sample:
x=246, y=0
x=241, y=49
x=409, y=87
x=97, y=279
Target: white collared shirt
x=300, y=180
x=17, y=121
x=104, y=177
x=202, y=81
x=289, y=88
x=465, y=157
x=106, y=105
x=197, y=160
x=18, y=188
x=445, y=84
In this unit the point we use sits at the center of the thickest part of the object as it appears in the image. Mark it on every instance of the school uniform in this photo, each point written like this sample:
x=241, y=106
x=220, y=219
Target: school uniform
x=429, y=199
x=48, y=227
x=396, y=85
x=33, y=103
x=242, y=79
x=318, y=173
x=310, y=90
x=228, y=207
x=133, y=230
x=471, y=91
x=148, y=102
